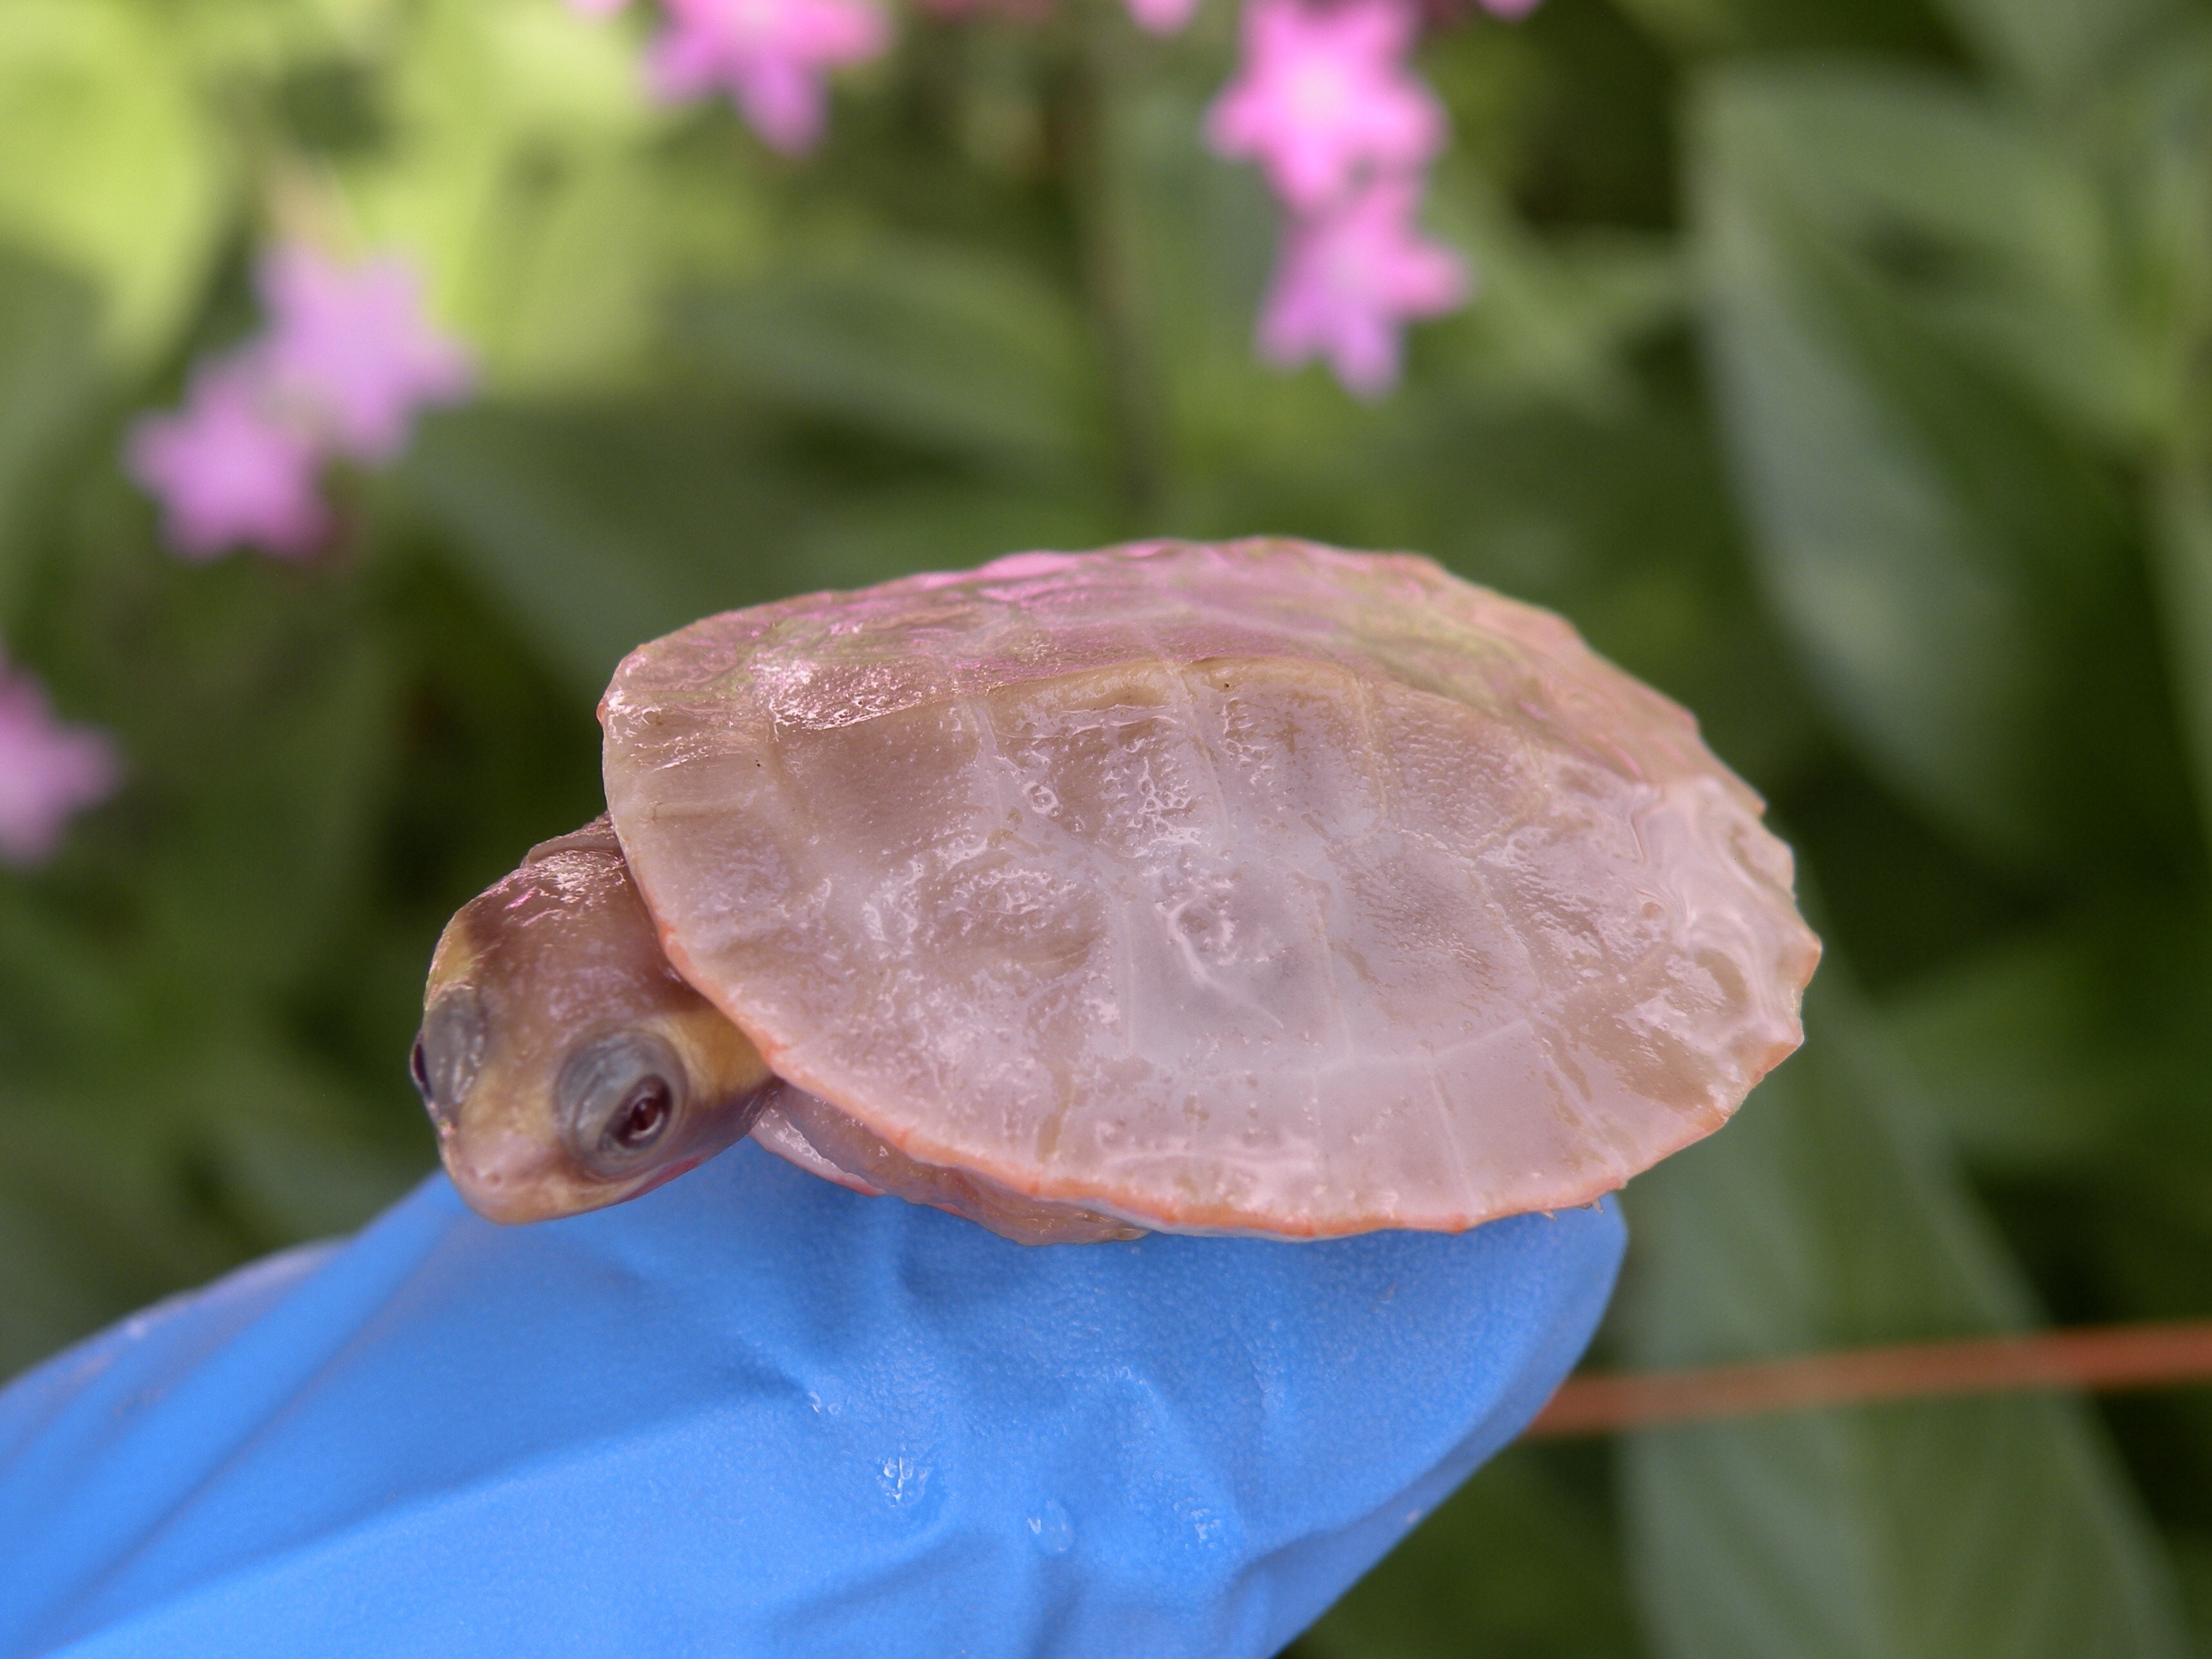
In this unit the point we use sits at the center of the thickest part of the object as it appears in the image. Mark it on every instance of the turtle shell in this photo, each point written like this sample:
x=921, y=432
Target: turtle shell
x=1258, y=887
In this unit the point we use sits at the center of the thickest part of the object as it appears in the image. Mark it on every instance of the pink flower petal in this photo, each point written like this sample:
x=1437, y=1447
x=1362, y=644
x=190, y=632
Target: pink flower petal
x=783, y=101
x=682, y=65
x=1323, y=95
x=1162, y=16
x=1349, y=279
x=49, y=771
x=347, y=360
x=349, y=351
x=228, y=470
x=770, y=56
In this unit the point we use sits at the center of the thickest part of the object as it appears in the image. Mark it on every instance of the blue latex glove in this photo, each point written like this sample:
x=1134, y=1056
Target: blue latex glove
x=754, y=1414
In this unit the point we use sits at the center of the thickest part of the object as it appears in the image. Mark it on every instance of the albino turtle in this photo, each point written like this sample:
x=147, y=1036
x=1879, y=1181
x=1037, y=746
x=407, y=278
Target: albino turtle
x=1258, y=888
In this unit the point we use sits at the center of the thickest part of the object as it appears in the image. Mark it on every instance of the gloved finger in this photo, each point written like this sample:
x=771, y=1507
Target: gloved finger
x=754, y=1414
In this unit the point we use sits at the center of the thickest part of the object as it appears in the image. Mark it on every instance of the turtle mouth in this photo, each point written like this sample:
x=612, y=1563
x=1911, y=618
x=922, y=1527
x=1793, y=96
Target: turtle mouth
x=514, y=1178
x=508, y=1178
x=681, y=1167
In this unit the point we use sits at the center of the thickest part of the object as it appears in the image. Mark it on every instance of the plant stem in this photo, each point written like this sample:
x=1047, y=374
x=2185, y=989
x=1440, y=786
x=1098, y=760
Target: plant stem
x=2110, y=1357
x=1113, y=283
x=2181, y=476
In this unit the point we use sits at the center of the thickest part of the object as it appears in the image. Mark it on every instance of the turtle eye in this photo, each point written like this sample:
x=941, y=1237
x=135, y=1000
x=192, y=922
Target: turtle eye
x=618, y=1098
x=644, y=1113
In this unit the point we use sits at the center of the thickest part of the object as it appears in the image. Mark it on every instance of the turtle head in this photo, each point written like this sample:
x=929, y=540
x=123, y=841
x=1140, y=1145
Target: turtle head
x=564, y=1063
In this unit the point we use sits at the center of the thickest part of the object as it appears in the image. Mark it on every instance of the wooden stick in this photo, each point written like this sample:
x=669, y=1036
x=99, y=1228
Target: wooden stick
x=2107, y=1356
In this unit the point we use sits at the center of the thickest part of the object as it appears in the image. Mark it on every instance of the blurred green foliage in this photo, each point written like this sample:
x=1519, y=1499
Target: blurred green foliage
x=1841, y=367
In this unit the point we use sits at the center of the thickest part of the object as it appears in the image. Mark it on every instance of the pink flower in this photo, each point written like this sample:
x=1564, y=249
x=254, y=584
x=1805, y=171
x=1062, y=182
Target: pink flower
x=1350, y=278
x=48, y=771
x=346, y=361
x=1161, y=16
x=349, y=353
x=768, y=55
x=1322, y=92
x=228, y=468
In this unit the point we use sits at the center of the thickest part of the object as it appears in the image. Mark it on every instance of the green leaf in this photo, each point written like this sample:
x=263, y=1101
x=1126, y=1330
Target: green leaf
x=285, y=1149
x=598, y=529
x=875, y=535
x=1944, y=554
x=126, y=1182
x=1519, y=1561
x=112, y=167
x=49, y=323
x=1550, y=319
x=949, y=351
x=1697, y=26
x=254, y=713
x=1828, y=1217
x=1621, y=521
x=71, y=1256
x=93, y=1218
x=2183, y=520
x=2177, y=117
x=524, y=171
x=1984, y=225
x=2077, y=1042
x=2070, y=257
x=2059, y=47
x=264, y=834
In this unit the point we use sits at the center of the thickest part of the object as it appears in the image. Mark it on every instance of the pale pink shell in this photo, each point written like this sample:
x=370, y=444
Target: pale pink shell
x=1255, y=888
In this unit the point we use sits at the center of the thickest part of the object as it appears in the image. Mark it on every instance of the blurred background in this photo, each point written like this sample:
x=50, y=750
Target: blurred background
x=1841, y=366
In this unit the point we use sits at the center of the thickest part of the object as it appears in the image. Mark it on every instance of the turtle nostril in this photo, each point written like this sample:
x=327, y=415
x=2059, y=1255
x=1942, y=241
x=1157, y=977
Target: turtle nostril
x=419, y=1070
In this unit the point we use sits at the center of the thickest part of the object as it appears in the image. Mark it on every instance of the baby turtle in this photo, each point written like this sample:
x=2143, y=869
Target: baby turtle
x=1256, y=888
